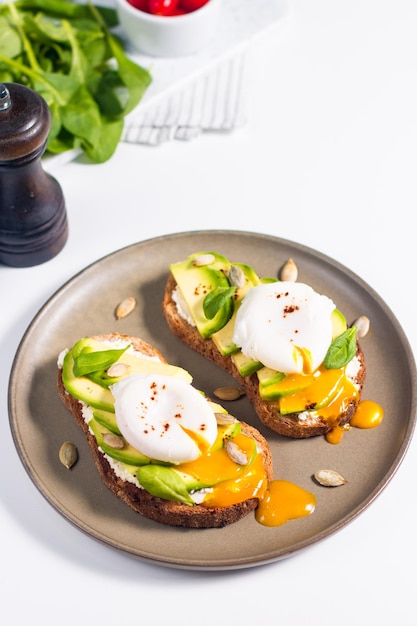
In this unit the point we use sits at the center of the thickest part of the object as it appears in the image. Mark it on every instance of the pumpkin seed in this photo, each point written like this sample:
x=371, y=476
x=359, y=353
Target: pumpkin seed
x=235, y=453
x=125, y=307
x=329, y=478
x=113, y=440
x=289, y=271
x=236, y=276
x=68, y=454
x=117, y=369
x=203, y=259
x=224, y=419
x=362, y=326
x=228, y=393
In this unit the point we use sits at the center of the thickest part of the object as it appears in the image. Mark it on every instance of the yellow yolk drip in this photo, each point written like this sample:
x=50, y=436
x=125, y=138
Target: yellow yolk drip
x=346, y=392
x=368, y=415
x=330, y=388
x=250, y=484
x=279, y=502
x=232, y=482
x=336, y=434
x=284, y=501
x=306, y=357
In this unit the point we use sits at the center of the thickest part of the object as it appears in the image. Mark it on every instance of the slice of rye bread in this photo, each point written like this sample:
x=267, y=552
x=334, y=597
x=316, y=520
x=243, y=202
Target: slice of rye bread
x=164, y=511
x=295, y=425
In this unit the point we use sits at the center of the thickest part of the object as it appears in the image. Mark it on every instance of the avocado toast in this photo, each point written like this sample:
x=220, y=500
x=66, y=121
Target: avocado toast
x=225, y=465
x=204, y=303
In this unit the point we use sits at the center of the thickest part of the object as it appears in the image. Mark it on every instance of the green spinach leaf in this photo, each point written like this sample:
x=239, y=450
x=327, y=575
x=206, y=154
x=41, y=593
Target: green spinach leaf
x=216, y=299
x=342, y=350
x=163, y=482
x=67, y=53
x=88, y=362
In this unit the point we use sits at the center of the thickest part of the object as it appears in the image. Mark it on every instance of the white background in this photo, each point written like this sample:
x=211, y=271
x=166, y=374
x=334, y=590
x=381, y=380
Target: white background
x=328, y=158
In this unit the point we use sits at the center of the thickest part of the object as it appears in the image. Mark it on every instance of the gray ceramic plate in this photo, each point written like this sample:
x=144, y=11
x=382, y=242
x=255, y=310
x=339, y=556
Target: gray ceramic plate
x=86, y=304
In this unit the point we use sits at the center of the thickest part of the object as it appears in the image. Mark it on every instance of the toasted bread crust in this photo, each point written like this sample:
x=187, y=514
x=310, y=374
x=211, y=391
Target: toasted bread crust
x=294, y=425
x=163, y=511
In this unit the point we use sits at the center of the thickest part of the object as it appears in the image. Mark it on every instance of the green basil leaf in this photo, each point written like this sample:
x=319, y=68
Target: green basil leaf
x=163, y=482
x=216, y=299
x=88, y=362
x=103, y=379
x=342, y=350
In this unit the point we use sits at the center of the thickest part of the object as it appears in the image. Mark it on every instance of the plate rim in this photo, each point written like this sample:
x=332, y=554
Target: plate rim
x=250, y=561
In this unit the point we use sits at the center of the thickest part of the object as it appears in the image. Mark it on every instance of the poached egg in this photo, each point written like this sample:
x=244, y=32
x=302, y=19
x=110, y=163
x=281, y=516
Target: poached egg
x=285, y=325
x=163, y=417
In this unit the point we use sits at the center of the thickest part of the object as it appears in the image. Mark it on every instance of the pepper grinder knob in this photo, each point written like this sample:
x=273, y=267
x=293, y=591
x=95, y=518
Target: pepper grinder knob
x=33, y=220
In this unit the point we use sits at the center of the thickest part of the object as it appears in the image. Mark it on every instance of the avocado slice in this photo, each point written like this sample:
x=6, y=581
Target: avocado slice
x=223, y=338
x=194, y=283
x=224, y=433
x=289, y=385
x=245, y=364
x=339, y=324
x=85, y=389
x=128, y=454
x=268, y=279
x=216, y=407
x=106, y=419
x=314, y=396
x=191, y=482
x=268, y=376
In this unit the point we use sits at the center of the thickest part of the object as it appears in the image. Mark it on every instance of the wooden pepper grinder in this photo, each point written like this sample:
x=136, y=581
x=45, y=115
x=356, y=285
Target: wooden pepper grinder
x=33, y=220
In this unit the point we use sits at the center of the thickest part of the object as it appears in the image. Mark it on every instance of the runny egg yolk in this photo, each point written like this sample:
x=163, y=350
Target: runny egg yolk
x=232, y=482
x=331, y=388
x=368, y=414
x=279, y=502
x=284, y=501
x=335, y=435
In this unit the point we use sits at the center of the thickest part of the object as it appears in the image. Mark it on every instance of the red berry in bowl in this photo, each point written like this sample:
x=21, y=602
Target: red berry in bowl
x=142, y=5
x=192, y=5
x=163, y=7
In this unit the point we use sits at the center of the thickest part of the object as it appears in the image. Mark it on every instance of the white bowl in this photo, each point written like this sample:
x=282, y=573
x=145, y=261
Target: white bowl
x=172, y=36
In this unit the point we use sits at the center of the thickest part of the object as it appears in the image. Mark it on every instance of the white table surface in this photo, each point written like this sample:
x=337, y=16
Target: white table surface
x=328, y=158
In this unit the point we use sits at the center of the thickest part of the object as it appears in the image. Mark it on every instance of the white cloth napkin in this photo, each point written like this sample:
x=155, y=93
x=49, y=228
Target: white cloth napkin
x=212, y=101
